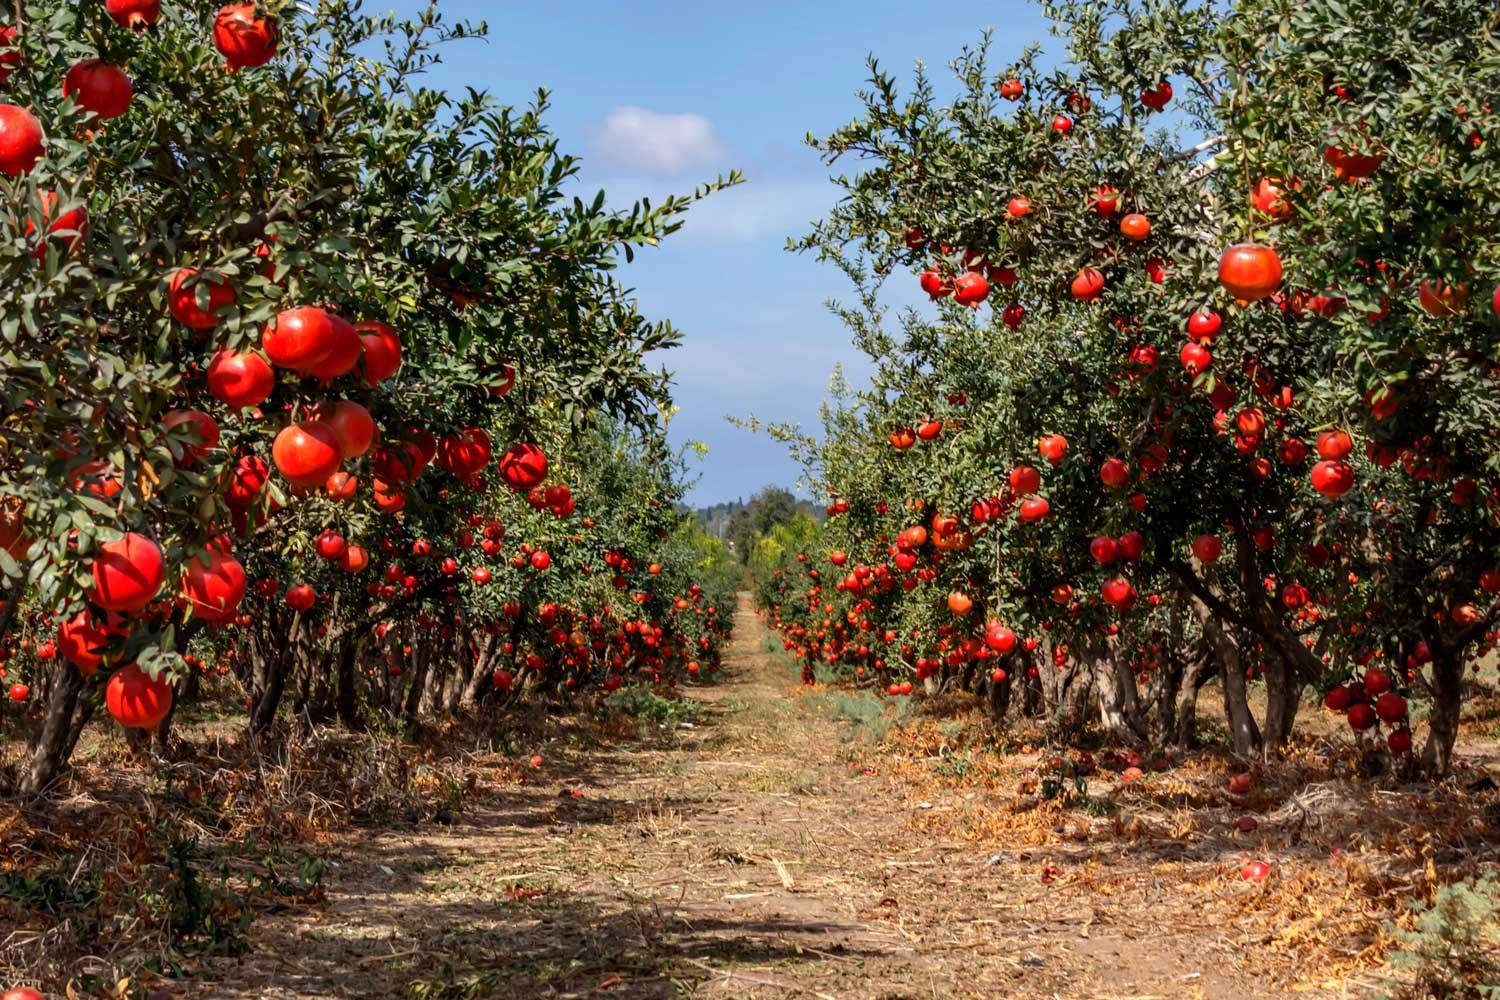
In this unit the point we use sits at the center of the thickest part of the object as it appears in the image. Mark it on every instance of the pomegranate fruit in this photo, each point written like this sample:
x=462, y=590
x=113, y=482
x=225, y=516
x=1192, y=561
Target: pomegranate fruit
x=137, y=15
x=307, y=453
x=128, y=574
x=21, y=140
x=135, y=699
x=240, y=380
x=1250, y=272
x=243, y=38
x=100, y=89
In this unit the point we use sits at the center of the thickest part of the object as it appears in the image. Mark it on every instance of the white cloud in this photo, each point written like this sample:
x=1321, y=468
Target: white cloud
x=653, y=143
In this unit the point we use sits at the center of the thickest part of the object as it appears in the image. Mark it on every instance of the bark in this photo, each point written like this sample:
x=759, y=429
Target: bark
x=417, y=683
x=52, y=743
x=347, y=698
x=484, y=669
x=1442, y=722
x=1117, y=713
x=1283, y=694
x=1198, y=671
x=1242, y=727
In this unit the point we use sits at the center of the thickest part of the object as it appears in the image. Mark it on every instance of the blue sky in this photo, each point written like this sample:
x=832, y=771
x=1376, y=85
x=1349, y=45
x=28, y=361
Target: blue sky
x=662, y=95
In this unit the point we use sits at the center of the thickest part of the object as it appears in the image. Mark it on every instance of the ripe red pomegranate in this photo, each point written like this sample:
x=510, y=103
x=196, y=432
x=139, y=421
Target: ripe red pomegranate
x=137, y=15
x=307, y=453
x=240, y=380
x=301, y=597
x=903, y=438
x=1204, y=325
x=136, y=700
x=245, y=39
x=502, y=680
x=344, y=352
x=75, y=220
x=201, y=429
x=1399, y=742
x=1335, y=445
x=1018, y=207
x=21, y=140
x=352, y=425
x=1338, y=699
x=1390, y=708
x=1135, y=227
x=354, y=559
x=1104, y=549
x=1088, y=284
x=540, y=560
x=330, y=545
x=1118, y=592
x=1255, y=871
x=214, y=585
x=1269, y=198
x=934, y=284
x=466, y=453
x=1132, y=545
x=1157, y=97
x=19, y=692
x=1333, y=479
x=10, y=53
x=970, y=289
x=1013, y=314
x=1025, y=480
x=999, y=638
x=1495, y=303
x=128, y=574
x=1062, y=124
x=1207, y=548
x=1114, y=473
x=382, y=357
x=1362, y=717
x=1033, y=509
x=183, y=298
x=82, y=641
x=1250, y=272
x=1053, y=447
x=1012, y=89
x=100, y=89
x=928, y=430
x=1440, y=299
x=1195, y=358
x=523, y=466
x=299, y=338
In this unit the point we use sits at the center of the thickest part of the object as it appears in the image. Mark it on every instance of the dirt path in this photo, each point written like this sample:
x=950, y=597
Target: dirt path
x=742, y=857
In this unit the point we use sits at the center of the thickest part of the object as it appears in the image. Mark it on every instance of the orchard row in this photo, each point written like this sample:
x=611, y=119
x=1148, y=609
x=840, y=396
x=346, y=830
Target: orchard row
x=1210, y=392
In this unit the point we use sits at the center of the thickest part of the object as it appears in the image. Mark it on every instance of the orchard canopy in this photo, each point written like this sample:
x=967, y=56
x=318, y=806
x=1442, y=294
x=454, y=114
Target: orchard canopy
x=316, y=380
x=1212, y=387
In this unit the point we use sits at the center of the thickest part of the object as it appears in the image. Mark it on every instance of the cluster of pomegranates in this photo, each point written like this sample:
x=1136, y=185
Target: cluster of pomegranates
x=1369, y=702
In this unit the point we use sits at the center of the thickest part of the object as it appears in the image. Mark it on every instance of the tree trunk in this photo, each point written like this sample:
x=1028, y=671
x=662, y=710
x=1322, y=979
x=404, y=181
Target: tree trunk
x=52, y=743
x=1283, y=693
x=1114, y=707
x=1198, y=671
x=1442, y=722
x=348, y=703
x=1242, y=727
